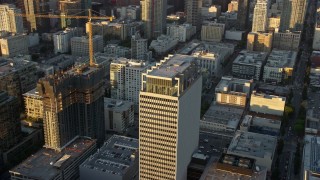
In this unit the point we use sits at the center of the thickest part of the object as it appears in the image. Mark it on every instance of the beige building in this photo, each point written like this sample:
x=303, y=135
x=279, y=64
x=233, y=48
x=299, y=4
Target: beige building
x=233, y=91
x=33, y=104
x=259, y=42
x=233, y=6
x=267, y=104
x=14, y=45
x=286, y=41
x=273, y=22
x=8, y=21
x=169, y=118
x=212, y=32
x=260, y=16
x=80, y=45
x=292, y=15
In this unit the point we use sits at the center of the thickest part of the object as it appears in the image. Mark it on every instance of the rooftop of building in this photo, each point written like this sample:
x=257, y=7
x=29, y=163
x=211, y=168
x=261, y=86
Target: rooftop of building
x=133, y=63
x=281, y=59
x=5, y=98
x=116, y=155
x=47, y=163
x=315, y=59
x=85, y=38
x=10, y=65
x=251, y=144
x=229, y=116
x=261, y=125
x=231, y=167
x=311, y=154
x=233, y=85
x=117, y=105
x=251, y=58
x=172, y=65
x=272, y=89
x=67, y=30
x=267, y=96
x=189, y=48
x=33, y=94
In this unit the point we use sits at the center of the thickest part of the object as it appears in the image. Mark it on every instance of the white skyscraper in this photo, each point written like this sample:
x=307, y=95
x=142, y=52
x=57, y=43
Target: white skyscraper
x=125, y=79
x=8, y=21
x=260, y=16
x=169, y=112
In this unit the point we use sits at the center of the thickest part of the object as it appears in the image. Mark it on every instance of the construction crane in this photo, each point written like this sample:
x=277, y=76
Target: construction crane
x=89, y=17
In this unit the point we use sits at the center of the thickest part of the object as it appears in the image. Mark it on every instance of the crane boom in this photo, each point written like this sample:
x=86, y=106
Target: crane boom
x=90, y=17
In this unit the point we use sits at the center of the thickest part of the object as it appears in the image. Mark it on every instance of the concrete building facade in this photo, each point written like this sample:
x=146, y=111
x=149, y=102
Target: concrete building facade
x=212, y=32
x=163, y=44
x=14, y=45
x=8, y=20
x=80, y=45
x=289, y=41
x=154, y=13
x=118, y=114
x=181, y=32
x=292, y=15
x=259, y=41
x=33, y=104
x=260, y=16
x=193, y=13
x=61, y=39
x=169, y=118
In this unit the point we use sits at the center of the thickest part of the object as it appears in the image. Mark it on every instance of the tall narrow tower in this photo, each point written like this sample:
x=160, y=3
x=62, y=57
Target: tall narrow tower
x=292, y=15
x=154, y=13
x=8, y=21
x=260, y=16
x=193, y=11
x=243, y=14
x=169, y=118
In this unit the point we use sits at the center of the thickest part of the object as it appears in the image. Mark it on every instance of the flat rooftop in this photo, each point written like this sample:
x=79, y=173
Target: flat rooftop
x=227, y=115
x=33, y=94
x=176, y=64
x=117, y=105
x=116, y=155
x=273, y=89
x=133, y=63
x=253, y=144
x=267, y=96
x=281, y=59
x=231, y=167
x=47, y=163
x=251, y=58
x=230, y=84
x=311, y=154
x=11, y=65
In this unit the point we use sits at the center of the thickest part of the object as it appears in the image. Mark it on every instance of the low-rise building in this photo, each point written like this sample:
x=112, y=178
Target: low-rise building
x=260, y=125
x=163, y=44
x=52, y=164
x=61, y=39
x=267, y=104
x=232, y=167
x=257, y=41
x=289, y=41
x=58, y=63
x=279, y=66
x=117, y=159
x=233, y=34
x=311, y=158
x=33, y=104
x=14, y=45
x=118, y=114
x=233, y=91
x=18, y=76
x=221, y=120
x=212, y=32
x=181, y=32
x=114, y=50
x=249, y=65
x=312, y=125
x=80, y=45
x=256, y=146
x=274, y=22
x=213, y=11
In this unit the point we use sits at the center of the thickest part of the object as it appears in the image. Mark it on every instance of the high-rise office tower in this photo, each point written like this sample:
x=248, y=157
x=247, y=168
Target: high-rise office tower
x=10, y=130
x=8, y=21
x=193, y=11
x=154, y=14
x=222, y=3
x=32, y=7
x=243, y=14
x=170, y=100
x=260, y=16
x=73, y=105
x=292, y=15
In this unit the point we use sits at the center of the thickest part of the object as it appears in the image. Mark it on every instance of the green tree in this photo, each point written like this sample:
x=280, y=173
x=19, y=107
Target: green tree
x=288, y=110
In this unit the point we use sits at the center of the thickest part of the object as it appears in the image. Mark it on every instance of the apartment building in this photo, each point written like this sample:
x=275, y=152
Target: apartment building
x=80, y=45
x=14, y=45
x=212, y=32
